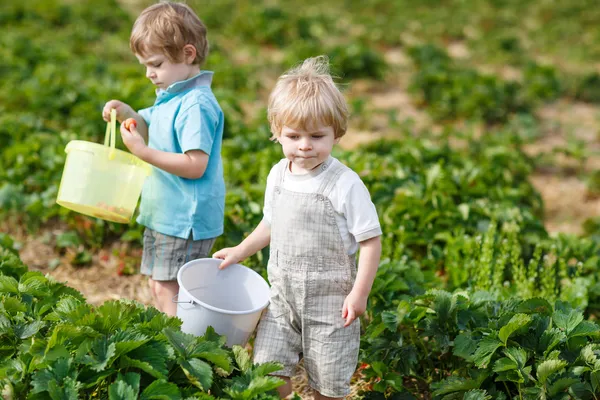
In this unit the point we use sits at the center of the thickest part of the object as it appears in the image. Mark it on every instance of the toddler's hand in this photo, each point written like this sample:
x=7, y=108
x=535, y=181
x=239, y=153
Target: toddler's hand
x=124, y=111
x=355, y=305
x=229, y=255
x=132, y=139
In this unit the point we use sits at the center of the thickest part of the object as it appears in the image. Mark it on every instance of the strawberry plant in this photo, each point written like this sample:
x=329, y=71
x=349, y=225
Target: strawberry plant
x=57, y=346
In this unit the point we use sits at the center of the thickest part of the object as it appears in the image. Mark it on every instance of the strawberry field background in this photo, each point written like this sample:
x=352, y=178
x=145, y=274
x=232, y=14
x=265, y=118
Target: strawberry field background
x=474, y=125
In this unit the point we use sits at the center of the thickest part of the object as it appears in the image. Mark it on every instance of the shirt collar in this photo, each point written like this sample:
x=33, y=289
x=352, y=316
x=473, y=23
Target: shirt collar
x=204, y=78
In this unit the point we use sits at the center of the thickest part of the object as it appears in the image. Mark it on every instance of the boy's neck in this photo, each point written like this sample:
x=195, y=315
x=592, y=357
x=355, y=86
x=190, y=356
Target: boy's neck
x=195, y=70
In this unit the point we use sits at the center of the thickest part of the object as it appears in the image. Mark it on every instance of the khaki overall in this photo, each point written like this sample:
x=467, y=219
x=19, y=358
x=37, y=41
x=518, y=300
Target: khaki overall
x=310, y=274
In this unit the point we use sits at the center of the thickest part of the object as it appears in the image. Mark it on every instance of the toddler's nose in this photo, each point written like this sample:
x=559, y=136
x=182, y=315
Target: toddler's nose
x=305, y=145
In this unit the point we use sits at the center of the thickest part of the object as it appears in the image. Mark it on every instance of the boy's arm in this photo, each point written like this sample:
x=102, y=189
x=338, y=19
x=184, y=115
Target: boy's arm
x=368, y=262
x=191, y=164
x=256, y=241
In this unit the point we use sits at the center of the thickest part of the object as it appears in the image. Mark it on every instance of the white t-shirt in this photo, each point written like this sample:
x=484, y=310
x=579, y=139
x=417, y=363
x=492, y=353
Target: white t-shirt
x=355, y=213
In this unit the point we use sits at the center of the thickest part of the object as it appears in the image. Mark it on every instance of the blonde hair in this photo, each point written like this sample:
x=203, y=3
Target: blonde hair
x=306, y=96
x=165, y=28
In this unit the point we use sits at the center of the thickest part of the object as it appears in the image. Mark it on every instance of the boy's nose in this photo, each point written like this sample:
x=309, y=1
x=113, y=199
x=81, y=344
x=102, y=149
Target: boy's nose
x=149, y=73
x=305, y=145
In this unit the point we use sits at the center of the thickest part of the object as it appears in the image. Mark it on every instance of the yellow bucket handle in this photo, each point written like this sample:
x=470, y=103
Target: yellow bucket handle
x=110, y=135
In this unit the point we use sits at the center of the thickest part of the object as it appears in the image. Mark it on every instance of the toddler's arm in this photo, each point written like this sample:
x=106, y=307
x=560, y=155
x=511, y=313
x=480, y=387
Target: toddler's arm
x=257, y=240
x=125, y=111
x=368, y=262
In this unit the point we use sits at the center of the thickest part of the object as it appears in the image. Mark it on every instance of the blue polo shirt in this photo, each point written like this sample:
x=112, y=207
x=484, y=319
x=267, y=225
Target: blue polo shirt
x=186, y=116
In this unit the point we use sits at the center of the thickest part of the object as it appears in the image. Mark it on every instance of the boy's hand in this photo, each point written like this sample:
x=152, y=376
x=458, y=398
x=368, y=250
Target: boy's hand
x=354, y=306
x=133, y=140
x=229, y=255
x=124, y=110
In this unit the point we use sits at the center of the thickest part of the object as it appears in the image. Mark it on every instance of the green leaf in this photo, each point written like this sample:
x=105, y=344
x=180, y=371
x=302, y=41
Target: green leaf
x=504, y=364
x=585, y=328
x=517, y=322
x=455, y=384
x=588, y=355
x=12, y=305
x=390, y=320
x=252, y=390
x=198, y=372
x=69, y=309
x=127, y=341
x=561, y=385
x=267, y=368
x=27, y=330
x=120, y=390
x=567, y=321
x=58, y=371
x=485, y=351
x=100, y=354
x=443, y=304
x=8, y=284
x=549, y=367
x=155, y=354
x=68, y=390
x=34, y=284
x=181, y=342
x=518, y=355
x=550, y=339
x=127, y=362
x=536, y=305
x=464, y=346
x=133, y=380
x=242, y=358
x=161, y=390
x=41, y=379
x=595, y=380
x=477, y=394
x=213, y=352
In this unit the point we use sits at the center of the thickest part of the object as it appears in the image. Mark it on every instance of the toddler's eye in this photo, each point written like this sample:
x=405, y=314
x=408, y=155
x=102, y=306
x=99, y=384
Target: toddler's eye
x=157, y=65
x=317, y=136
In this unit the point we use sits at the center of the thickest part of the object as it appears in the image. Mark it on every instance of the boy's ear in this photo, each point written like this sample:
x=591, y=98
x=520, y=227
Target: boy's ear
x=189, y=53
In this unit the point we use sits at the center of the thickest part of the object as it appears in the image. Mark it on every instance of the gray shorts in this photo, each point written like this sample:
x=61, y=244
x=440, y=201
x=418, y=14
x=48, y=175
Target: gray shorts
x=163, y=254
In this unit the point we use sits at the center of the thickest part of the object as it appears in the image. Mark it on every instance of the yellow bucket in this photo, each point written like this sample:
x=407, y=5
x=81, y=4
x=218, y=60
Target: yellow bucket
x=101, y=181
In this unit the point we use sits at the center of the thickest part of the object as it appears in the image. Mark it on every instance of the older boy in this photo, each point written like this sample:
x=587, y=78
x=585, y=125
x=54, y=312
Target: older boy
x=180, y=135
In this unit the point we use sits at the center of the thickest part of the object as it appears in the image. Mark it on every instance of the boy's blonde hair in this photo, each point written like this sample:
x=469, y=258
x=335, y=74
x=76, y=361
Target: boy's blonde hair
x=306, y=96
x=165, y=28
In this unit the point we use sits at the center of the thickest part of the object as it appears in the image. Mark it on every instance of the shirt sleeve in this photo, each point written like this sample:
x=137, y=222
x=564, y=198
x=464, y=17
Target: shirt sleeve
x=359, y=210
x=196, y=128
x=268, y=208
x=146, y=113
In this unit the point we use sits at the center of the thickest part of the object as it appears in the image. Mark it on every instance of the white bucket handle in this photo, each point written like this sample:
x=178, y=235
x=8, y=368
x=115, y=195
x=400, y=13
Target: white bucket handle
x=181, y=302
x=189, y=301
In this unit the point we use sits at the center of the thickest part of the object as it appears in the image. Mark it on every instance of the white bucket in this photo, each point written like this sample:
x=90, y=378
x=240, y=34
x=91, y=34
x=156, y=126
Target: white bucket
x=230, y=300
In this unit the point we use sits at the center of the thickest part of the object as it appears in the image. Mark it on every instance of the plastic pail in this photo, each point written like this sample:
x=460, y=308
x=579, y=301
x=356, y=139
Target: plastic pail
x=230, y=300
x=100, y=180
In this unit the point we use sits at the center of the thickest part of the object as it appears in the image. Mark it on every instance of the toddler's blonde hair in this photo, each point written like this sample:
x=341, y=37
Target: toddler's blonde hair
x=165, y=28
x=306, y=96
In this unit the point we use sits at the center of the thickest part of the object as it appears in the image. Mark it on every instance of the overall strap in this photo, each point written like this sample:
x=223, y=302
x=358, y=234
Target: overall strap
x=280, y=172
x=334, y=170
